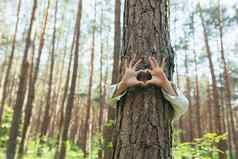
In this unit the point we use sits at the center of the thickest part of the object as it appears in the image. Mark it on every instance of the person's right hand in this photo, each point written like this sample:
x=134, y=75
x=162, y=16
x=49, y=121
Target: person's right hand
x=130, y=76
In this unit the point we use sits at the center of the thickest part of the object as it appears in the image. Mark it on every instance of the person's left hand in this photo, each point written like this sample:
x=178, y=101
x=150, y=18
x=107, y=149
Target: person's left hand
x=159, y=78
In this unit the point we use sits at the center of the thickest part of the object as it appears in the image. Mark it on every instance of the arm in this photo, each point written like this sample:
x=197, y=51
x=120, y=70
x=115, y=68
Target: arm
x=176, y=98
x=129, y=79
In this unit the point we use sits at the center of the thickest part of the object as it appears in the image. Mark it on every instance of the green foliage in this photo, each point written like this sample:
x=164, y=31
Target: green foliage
x=204, y=148
x=5, y=127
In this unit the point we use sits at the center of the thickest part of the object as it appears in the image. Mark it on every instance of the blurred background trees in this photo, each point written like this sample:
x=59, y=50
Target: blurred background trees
x=57, y=58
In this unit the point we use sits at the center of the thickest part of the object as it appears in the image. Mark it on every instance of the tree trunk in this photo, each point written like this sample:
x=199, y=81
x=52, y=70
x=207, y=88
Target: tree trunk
x=190, y=112
x=102, y=101
x=9, y=66
x=31, y=92
x=216, y=105
x=227, y=92
x=88, y=122
x=46, y=117
x=108, y=131
x=143, y=125
x=70, y=100
x=17, y=113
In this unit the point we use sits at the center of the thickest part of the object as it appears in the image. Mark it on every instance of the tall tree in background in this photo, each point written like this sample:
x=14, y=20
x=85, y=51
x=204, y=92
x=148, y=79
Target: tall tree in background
x=115, y=75
x=70, y=100
x=88, y=121
x=226, y=81
x=16, y=119
x=188, y=94
x=197, y=86
x=9, y=66
x=101, y=90
x=216, y=106
x=143, y=125
x=46, y=117
x=31, y=92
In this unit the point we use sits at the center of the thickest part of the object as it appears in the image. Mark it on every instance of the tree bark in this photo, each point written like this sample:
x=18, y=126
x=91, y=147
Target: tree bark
x=70, y=100
x=143, y=124
x=9, y=66
x=17, y=113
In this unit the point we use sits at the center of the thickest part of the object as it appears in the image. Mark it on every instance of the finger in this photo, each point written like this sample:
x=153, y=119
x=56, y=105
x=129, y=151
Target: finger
x=136, y=64
x=163, y=62
x=155, y=61
x=126, y=63
x=132, y=61
x=150, y=71
x=151, y=62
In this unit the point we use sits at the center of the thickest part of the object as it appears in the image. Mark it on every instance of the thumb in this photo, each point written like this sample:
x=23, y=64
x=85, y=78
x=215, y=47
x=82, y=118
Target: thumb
x=141, y=83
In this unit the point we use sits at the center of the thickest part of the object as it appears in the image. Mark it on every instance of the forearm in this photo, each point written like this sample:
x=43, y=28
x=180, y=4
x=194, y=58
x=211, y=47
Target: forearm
x=121, y=88
x=168, y=88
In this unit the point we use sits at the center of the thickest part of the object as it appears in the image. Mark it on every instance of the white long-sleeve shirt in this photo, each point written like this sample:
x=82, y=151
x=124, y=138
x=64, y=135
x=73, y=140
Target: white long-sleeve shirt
x=179, y=102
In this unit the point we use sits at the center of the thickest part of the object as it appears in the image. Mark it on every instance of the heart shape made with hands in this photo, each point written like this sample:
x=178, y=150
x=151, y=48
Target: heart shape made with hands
x=144, y=75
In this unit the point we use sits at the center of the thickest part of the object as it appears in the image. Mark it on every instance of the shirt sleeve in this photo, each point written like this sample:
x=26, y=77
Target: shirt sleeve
x=179, y=102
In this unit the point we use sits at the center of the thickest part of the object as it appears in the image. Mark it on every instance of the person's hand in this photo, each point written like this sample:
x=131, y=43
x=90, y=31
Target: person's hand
x=129, y=78
x=130, y=75
x=159, y=78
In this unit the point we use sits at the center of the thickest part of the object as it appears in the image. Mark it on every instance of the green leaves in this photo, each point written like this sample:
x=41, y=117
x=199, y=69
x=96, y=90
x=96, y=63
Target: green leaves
x=205, y=147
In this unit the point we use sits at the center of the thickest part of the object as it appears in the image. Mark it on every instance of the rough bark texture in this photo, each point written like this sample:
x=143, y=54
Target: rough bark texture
x=143, y=125
x=70, y=100
x=16, y=120
x=9, y=66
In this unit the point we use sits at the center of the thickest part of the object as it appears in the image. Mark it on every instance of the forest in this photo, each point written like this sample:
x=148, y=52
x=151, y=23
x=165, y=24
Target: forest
x=60, y=59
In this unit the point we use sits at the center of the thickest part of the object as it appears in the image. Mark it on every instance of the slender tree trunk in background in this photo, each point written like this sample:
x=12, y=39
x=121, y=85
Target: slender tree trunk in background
x=46, y=117
x=197, y=87
x=102, y=104
x=108, y=131
x=227, y=82
x=70, y=100
x=190, y=112
x=9, y=66
x=30, y=80
x=198, y=105
x=65, y=90
x=216, y=105
x=17, y=113
x=180, y=122
x=88, y=122
x=143, y=125
x=31, y=92
x=209, y=106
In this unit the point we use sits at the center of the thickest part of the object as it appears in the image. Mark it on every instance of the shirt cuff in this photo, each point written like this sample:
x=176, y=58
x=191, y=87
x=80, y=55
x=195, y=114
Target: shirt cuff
x=179, y=102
